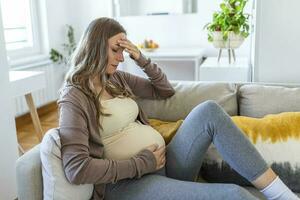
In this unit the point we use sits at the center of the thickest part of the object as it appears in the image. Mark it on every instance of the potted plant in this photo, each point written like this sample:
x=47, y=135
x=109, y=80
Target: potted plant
x=229, y=26
x=68, y=48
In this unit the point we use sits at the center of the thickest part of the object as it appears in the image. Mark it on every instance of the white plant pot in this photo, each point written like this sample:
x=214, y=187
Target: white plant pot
x=234, y=41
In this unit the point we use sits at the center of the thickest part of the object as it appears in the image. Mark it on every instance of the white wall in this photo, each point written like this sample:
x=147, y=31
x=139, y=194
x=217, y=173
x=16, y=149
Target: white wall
x=78, y=13
x=82, y=12
x=56, y=19
x=277, y=42
x=8, y=141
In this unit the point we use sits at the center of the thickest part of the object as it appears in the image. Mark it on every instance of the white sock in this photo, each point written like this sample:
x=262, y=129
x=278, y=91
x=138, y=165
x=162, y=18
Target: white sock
x=277, y=190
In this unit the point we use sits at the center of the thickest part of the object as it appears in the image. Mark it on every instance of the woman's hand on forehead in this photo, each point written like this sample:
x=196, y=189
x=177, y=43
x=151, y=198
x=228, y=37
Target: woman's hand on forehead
x=130, y=48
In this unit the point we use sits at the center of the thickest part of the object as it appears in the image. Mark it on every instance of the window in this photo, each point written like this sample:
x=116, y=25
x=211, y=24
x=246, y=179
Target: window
x=21, y=30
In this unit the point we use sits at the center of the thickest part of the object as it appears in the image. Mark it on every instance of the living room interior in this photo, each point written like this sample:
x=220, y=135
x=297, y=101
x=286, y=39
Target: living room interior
x=253, y=76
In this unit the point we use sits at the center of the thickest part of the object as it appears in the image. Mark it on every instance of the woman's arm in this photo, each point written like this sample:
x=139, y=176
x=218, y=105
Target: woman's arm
x=156, y=86
x=79, y=167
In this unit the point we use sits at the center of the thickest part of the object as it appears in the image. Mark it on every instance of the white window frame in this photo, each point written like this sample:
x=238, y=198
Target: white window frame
x=15, y=56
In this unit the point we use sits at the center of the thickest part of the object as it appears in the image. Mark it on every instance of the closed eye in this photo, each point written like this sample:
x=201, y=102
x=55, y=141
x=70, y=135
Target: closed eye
x=120, y=49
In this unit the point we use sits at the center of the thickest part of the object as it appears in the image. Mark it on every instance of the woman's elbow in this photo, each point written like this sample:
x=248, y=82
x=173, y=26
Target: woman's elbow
x=169, y=93
x=74, y=178
x=172, y=92
x=75, y=175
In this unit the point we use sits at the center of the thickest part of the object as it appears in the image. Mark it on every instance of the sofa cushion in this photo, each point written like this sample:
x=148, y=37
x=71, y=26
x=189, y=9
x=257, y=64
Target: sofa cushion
x=187, y=96
x=56, y=186
x=276, y=137
x=260, y=100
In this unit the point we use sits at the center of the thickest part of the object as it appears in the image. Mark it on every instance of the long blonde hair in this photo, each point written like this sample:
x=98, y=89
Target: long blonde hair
x=90, y=58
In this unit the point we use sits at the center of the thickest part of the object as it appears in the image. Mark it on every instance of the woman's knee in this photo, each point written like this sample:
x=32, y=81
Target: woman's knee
x=209, y=107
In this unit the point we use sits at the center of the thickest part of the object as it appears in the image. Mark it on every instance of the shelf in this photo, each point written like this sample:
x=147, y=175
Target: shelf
x=173, y=53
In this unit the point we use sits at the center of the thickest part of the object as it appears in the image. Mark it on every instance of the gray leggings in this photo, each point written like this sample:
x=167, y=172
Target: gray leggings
x=205, y=124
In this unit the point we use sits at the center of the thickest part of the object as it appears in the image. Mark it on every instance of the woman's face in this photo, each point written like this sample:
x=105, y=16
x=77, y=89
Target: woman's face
x=115, y=53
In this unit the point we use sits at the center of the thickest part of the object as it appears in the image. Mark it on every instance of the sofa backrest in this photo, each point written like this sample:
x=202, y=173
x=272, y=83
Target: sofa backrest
x=258, y=100
x=187, y=96
x=248, y=99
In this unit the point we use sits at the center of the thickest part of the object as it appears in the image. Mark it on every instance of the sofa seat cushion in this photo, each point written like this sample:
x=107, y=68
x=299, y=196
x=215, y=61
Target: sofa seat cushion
x=276, y=137
x=260, y=100
x=187, y=96
x=55, y=184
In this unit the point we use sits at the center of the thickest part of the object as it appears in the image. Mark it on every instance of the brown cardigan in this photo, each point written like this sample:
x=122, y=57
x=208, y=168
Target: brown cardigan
x=82, y=148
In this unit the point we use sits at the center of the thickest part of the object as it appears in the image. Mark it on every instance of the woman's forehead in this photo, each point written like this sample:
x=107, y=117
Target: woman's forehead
x=115, y=38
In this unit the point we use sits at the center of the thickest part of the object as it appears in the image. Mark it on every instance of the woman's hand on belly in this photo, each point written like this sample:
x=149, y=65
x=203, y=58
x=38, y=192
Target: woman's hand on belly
x=159, y=154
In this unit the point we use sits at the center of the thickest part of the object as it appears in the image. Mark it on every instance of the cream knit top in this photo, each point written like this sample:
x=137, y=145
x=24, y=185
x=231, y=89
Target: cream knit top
x=123, y=135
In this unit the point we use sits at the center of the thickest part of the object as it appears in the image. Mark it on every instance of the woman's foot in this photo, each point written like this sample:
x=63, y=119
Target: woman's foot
x=277, y=190
x=272, y=187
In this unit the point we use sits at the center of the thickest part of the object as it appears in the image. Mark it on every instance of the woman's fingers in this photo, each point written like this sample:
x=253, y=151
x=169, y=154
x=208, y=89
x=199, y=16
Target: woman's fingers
x=152, y=147
x=161, y=158
x=128, y=45
x=130, y=51
x=159, y=154
x=161, y=150
x=130, y=48
x=162, y=163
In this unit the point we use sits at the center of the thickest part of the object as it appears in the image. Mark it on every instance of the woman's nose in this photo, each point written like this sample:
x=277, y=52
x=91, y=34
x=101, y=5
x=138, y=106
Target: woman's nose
x=120, y=57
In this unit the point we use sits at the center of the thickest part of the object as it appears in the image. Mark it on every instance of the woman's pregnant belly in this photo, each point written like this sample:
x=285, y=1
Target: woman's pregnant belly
x=131, y=140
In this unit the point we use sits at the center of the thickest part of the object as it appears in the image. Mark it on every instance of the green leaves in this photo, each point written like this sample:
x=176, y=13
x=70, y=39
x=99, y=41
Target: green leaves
x=71, y=45
x=230, y=18
x=55, y=56
x=69, y=48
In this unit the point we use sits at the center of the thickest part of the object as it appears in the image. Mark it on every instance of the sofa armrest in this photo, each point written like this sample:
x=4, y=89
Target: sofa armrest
x=29, y=175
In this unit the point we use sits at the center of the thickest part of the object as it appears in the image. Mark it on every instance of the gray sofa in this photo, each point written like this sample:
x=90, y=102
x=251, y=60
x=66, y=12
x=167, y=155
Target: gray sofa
x=244, y=99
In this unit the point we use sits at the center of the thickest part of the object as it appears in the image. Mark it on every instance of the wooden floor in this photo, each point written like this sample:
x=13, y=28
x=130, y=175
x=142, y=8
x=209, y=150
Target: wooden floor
x=25, y=131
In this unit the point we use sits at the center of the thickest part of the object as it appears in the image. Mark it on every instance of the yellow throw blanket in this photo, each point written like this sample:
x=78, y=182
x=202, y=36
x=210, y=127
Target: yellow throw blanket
x=273, y=127
x=166, y=129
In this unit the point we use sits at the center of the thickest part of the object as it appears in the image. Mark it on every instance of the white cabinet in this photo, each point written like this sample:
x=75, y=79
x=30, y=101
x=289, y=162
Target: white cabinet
x=176, y=63
x=212, y=70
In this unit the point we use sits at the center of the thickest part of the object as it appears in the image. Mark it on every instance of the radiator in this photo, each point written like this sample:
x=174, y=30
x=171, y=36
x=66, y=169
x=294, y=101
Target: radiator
x=54, y=79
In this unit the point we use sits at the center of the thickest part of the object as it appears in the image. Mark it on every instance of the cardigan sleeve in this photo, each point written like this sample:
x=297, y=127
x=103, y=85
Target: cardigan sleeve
x=79, y=166
x=156, y=86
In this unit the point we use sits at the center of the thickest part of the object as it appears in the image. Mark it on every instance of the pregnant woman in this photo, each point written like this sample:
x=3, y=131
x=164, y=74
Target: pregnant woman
x=107, y=141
